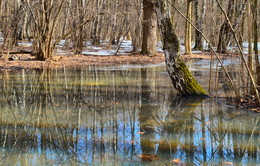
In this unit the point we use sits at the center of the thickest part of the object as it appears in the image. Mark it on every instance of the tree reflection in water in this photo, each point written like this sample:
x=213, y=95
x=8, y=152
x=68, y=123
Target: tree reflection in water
x=109, y=116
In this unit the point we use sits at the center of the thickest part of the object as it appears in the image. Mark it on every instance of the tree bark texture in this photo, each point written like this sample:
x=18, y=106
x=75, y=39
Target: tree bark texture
x=188, y=28
x=149, y=28
x=199, y=17
x=180, y=75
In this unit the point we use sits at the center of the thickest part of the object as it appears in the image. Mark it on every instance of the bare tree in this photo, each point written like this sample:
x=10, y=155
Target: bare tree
x=11, y=34
x=45, y=15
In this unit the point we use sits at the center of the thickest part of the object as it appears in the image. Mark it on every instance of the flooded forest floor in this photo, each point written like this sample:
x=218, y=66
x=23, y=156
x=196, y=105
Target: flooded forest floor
x=27, y=61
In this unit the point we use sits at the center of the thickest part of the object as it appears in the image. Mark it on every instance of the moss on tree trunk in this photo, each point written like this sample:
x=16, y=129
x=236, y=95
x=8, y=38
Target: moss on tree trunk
x=180, y=75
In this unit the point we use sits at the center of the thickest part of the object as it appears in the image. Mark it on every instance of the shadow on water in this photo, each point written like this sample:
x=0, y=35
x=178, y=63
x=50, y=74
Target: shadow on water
x=104, y=116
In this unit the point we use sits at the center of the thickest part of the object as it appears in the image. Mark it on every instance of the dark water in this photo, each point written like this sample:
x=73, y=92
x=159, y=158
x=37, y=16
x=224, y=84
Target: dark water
x=109, y=116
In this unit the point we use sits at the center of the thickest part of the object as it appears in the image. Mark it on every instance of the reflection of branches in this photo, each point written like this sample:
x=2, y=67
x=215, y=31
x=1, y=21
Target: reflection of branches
x=211, y=132
x=220, y=142
x=250, y=138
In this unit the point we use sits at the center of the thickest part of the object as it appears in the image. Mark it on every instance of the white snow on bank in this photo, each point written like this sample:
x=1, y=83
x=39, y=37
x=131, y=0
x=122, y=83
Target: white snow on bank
x=1, y=38
x=65, y=47
x=25, y=44
x=125, y=49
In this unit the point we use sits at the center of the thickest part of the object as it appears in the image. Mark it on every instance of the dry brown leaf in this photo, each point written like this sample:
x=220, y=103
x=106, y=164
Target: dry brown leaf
x=148, y=157
x=176, y=161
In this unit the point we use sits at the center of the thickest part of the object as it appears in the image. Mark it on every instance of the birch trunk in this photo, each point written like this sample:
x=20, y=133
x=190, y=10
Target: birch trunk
x=180, y=75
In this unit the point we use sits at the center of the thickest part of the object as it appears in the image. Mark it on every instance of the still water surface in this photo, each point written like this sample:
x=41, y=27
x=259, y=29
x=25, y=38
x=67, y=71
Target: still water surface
x=109, y=116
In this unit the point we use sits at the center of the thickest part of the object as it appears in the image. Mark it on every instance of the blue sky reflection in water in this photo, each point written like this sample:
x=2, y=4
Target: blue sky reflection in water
x=108, y=116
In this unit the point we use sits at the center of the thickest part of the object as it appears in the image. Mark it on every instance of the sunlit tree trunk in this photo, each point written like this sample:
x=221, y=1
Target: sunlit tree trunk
x=135, y=29
x=180, y=75
x=149, y=28
x=188, y=28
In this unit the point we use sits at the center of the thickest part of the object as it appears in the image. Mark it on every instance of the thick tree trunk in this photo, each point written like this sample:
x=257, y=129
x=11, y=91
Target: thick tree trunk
x=180, y=75
x=149, y=28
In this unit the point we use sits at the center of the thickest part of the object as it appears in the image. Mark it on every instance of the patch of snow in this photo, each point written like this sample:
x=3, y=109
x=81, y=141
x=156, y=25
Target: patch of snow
x=94, y=47
x=1, y=38
x=63, y=52
x=99, y=52
x=25, y=44
x=125, y=48
x=196, y=52
x=63, y=42
x=126, y=43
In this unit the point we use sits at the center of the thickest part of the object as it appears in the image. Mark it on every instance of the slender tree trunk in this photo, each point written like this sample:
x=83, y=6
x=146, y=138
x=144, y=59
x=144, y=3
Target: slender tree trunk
x=249, y=25
x=149, y=28
x=78, y=35
x=136, y=27
x=95, y=34
x=255, y=30
x=188, y=28
x=1, y=15
x=180, y=75
x=114, y=25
